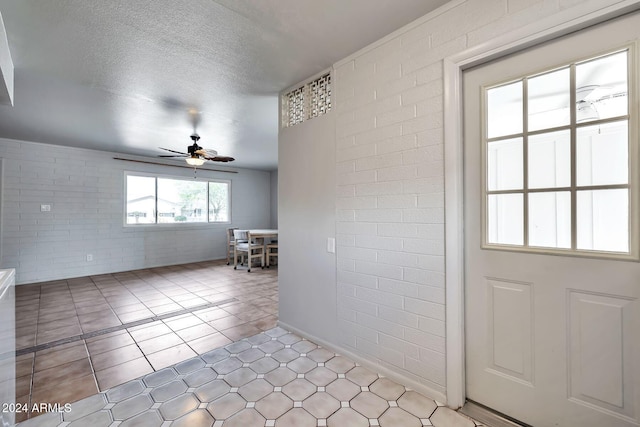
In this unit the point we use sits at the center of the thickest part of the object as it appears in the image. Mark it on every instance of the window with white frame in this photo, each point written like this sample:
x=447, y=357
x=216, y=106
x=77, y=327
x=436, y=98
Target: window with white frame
x=167, y=200
x=558, y=159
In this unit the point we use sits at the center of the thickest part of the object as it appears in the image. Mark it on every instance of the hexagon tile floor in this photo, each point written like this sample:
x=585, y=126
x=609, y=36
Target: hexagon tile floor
x=273, y=379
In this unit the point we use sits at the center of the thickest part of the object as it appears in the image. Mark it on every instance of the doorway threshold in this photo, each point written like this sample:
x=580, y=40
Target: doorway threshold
x=489, y=417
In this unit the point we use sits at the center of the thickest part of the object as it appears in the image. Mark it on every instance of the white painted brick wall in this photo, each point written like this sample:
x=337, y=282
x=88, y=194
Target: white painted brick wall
x=390, y=174
x=86, y=192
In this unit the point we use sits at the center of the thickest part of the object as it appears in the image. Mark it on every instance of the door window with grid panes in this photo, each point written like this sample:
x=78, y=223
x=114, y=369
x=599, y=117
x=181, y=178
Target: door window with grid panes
x=559, y=157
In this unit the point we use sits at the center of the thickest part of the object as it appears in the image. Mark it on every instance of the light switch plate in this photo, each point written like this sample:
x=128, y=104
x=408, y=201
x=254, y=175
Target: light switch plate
x=331, y=245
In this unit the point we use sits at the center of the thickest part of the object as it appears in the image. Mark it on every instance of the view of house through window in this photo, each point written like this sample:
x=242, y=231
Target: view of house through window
x=557, y=158
x=161, y=200
x=141, y=200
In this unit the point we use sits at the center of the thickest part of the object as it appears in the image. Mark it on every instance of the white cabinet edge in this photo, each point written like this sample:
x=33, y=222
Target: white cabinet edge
x=7, y=279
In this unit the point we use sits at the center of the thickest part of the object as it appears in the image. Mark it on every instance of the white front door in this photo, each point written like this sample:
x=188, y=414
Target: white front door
x=552, y=282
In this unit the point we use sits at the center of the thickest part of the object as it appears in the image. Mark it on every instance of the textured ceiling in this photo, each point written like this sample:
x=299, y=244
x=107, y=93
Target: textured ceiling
x=132, y=76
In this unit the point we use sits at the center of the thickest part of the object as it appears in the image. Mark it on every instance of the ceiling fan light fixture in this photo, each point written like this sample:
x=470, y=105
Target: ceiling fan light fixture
x=195, y=161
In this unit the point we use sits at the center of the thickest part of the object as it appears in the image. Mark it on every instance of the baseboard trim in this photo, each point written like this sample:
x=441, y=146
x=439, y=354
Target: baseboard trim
x=389, y=373
x=488, y=417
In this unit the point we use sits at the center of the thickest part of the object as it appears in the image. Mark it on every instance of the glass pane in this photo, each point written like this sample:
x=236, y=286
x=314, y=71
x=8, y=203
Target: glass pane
x=181, y=201
x=218, y=202
x=550, y=219
x=505, y=219
x=603, y=220
x=602, y=155
x=548, y=100
x=550, y=160
x=504, y=110
x=141, y=200
x=504, y=164
x=601, y=88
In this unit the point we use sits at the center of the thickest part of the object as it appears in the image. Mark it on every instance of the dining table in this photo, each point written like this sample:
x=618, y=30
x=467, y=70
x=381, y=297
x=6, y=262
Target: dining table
x=265, y=235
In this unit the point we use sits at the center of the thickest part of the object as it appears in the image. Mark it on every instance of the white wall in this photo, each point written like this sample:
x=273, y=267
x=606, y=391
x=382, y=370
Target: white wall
x=307, y=272
x=86, y=191
x=274, y=199
x=389, y=194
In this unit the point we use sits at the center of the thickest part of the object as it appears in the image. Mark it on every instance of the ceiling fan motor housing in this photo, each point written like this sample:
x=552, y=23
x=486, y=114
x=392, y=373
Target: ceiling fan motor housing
x=195, y=147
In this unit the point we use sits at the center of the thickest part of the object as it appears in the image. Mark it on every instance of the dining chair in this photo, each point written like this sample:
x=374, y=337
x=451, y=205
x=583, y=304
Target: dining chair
x=272, y=251
x=231, y=243
x=246, y=245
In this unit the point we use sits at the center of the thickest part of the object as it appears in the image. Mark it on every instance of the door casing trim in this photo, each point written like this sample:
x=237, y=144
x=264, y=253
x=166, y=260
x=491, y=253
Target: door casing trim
x=543, y=30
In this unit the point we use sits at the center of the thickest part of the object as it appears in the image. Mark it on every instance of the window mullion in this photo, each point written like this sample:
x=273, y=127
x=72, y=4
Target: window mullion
x=525, y=159
x=573, y=136
x=632, y=147
x=155, y=209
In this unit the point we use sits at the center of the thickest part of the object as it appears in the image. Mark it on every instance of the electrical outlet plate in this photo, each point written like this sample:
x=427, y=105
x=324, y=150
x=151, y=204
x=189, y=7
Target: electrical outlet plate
x=45, y=208
x=89, y=257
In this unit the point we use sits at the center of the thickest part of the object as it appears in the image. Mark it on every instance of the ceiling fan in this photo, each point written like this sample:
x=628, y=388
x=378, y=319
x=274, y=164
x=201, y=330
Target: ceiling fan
x=196, y=155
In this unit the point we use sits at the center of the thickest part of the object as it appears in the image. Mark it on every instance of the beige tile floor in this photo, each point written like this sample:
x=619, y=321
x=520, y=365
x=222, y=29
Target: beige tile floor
x=80, y=336
x=272, y=379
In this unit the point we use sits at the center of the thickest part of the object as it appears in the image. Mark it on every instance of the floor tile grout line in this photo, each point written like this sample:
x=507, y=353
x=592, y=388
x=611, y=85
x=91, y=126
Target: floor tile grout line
x=93, y=371
x=145, y=355
x=116, y=328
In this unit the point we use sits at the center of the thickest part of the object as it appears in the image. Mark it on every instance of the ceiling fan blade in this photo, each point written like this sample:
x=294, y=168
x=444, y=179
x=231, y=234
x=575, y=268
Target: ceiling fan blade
x=172, y=155
x=173, y=151
x=223, y=159
x=207, y=152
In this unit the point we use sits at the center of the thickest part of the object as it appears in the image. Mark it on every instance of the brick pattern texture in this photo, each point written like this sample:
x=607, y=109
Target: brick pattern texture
x=390, y=180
